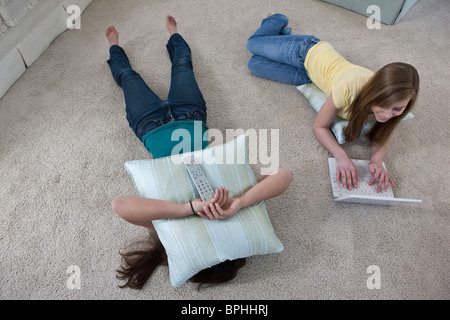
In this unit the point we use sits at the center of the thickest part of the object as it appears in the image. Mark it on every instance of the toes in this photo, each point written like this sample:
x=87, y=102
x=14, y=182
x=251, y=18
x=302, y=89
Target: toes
x=110, y=29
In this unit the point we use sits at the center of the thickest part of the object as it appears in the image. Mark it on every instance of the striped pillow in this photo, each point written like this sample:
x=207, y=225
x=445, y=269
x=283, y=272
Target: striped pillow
x=193, y=243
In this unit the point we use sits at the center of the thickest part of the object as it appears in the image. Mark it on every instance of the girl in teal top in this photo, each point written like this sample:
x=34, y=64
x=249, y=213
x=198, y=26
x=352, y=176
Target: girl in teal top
x=154, y=121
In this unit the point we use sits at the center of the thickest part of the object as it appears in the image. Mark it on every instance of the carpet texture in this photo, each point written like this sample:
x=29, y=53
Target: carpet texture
x=64, y=140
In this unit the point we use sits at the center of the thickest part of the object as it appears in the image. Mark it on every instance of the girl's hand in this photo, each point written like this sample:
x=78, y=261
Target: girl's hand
x=220, y=197
x=347, y=172
x=217, y=211
x=379, y=173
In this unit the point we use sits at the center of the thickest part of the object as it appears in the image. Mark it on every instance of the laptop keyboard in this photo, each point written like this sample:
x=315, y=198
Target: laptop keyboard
x=363, y=183
x=362, y=189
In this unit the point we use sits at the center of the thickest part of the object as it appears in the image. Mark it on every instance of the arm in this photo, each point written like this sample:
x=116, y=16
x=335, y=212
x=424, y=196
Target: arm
x=379, y=150
x=141, y=211
x=376, y=168
x=267, y=187
x=346, y=169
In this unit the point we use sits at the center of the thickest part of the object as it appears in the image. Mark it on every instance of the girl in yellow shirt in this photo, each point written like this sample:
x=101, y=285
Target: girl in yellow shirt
x=354, y=93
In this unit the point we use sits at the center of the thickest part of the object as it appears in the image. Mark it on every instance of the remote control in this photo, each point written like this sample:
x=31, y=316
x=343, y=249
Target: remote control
x=198, y=177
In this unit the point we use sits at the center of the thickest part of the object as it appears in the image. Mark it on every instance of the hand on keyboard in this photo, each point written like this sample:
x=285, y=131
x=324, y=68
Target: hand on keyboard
x=379, y=173
x=347, y=172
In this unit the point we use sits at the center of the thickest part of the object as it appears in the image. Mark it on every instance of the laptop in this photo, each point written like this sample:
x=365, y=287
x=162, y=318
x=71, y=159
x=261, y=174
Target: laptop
x=364, y=193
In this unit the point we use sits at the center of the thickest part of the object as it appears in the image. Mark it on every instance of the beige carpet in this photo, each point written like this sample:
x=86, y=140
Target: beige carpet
x=64, y=140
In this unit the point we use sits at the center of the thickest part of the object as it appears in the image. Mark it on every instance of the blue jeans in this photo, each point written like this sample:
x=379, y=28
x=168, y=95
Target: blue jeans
x=144, y=109
x=279, y=57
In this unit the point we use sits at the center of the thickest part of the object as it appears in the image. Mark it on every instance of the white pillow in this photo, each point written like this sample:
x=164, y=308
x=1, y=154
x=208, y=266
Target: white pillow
x=193, y=243
x=316, y=99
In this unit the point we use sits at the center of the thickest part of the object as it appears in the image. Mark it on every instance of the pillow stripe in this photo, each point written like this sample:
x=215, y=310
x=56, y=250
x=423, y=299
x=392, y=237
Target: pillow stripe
x=195, y=228
x=246, y=228
x=260, y=230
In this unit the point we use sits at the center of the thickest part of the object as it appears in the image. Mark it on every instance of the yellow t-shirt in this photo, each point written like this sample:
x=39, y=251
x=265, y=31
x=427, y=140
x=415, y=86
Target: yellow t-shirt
x=328, y=70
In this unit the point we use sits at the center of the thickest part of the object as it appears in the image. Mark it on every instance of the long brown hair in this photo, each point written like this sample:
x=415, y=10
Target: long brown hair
x=139, y=265
x=389, y=85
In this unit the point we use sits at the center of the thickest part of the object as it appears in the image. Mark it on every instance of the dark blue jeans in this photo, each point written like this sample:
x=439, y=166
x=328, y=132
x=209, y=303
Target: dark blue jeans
x=145, y=110
x=279, y=57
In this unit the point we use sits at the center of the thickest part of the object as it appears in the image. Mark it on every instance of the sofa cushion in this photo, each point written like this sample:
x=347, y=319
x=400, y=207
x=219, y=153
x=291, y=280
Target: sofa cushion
x=12, y=67
x=391, y=11
x=12, y=12
x=45, y=31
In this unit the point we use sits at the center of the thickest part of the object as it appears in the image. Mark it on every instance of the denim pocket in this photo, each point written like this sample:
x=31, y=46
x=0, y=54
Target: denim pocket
x=305, y=45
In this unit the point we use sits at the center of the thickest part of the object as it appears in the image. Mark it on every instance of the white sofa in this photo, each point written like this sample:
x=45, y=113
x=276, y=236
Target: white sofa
x=391, y=11
x=27, y=28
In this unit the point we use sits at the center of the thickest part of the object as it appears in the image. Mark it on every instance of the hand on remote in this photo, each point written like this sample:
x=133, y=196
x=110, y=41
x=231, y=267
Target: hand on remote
x=220, y=197
x=219, y=207
x=215, y=211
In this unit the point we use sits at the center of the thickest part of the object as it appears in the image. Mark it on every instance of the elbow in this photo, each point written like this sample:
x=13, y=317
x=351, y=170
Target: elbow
x=117, y=205
x=288, y=176
x=320, y=132
x=316, y=128
x=121, y=206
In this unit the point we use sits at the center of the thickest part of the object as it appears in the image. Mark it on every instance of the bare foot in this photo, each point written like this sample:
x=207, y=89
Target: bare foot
x=112, y=35
x=171, y=24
